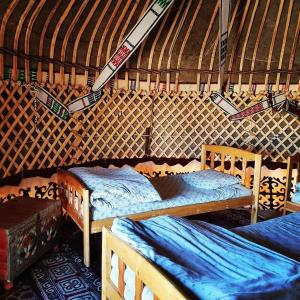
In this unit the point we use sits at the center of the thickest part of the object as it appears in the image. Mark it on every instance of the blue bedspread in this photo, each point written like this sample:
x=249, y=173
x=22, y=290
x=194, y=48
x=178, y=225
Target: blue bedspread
x=211, y=262
x=280, y=234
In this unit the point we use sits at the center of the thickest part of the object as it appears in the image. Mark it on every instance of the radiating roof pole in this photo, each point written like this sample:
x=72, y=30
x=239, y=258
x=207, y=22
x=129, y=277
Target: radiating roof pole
x=223, y=24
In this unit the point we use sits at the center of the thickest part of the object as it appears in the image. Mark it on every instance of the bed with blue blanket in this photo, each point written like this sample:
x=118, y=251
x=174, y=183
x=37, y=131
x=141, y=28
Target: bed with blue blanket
x=169, y=257
x=94, y=197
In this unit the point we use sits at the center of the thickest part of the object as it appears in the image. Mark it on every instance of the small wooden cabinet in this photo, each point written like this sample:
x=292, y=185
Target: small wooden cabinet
x=288, y=204
x=28, y=228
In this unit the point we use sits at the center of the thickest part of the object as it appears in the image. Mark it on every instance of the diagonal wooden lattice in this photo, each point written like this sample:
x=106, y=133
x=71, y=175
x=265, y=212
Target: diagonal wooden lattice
x=118, y=126
x=182, y=122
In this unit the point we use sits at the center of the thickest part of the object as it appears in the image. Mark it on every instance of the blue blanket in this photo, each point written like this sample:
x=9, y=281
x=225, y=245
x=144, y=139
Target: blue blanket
x=211, y=262
x=280, y=234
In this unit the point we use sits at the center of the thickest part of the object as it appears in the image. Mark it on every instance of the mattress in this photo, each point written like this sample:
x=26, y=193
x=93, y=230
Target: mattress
x=280, y=234
x=174, y=192
x=211, y=262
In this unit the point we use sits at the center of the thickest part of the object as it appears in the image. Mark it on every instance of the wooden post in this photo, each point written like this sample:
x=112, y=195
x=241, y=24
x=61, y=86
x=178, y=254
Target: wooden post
x=287, y=194
x=256, y=180
x=203, y=157
x=106, y=263
x=86, y=228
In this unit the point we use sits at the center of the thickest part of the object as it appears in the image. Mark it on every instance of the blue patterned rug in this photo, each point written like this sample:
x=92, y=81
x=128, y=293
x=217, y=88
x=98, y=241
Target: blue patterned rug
x=63, y=275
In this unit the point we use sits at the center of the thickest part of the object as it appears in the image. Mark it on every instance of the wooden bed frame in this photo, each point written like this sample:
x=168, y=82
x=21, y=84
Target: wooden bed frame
x=288, y=204
x=69, y=185
x=146, y=273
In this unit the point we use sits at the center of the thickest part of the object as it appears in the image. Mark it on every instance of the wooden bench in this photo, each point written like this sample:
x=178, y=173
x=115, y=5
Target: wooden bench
x=28, y=228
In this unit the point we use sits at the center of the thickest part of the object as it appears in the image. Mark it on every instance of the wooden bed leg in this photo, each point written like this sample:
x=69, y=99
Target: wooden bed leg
x=256, y=186
x=106, y=263
x=86, y=229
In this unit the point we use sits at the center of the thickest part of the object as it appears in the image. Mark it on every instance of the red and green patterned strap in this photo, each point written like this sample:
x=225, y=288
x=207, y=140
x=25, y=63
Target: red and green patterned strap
x=51, y=103
x=258, y=107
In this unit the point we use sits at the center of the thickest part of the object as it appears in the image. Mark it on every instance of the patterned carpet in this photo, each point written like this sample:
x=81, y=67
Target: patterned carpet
x=58, y=275
x=62, y=274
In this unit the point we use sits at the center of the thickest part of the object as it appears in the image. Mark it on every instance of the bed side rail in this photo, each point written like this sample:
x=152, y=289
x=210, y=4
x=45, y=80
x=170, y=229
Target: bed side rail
x=76, y=198
x=146, y=273
x=71, y=192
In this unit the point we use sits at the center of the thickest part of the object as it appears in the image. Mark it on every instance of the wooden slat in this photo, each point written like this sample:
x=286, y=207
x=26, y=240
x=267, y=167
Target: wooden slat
x=261, y=27
x=138, y=288
x=93, y=36
x=273, y=41
x=141, y=51
x=4, y=21
x=207, y=34
x=216, y=43
x=104, y=35
x=27, y=36
x=42, y=37
x=232, y=165
x=286, y=30
x=244, y=173
x=116, y=26
x=212, y=160
x=78, y=37
x=186, y=37
x=66, y=39
x=153, y=47
x=246, y=42
x=150, y=275
x=236, y=41
x=174, y=40
x=14, y=74
x=54, y=37
x=293, y=51
x=166, y=41
x=121, y=276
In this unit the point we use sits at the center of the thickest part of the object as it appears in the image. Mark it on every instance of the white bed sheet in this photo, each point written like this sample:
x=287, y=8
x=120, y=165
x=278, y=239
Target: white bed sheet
x=175, y=192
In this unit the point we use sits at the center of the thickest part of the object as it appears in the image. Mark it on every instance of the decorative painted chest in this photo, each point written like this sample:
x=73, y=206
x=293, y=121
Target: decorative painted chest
x=28, y=228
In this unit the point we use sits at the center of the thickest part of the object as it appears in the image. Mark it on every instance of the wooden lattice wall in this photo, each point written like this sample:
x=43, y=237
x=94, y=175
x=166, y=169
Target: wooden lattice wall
x=127, y=124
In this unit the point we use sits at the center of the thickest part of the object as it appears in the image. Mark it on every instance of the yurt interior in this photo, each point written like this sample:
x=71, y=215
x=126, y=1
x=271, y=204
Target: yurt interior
x=149, y=149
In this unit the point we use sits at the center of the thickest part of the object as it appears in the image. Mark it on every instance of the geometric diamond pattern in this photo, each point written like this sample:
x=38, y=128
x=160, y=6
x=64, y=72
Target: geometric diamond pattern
x=124, y=123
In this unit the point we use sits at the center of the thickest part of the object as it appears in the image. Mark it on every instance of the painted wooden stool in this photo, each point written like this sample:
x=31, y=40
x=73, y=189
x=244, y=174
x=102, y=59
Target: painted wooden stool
x=28, y=228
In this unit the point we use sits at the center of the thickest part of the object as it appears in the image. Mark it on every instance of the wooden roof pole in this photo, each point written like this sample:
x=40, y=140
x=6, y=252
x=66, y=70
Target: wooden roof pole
x=117, y=25
x=292, y=57
x=66, y=39
x=54, y=37
x=245, y=44
x=213, y=55
x=92, y=39
x=175, y=37
x=273, y=42
x=161, y=56
x=208, y=31
x=261, y=27
x=104, y=34
x=141, y=47
x=42, y=38
x=121, y=39
x=78, y=37
x=287, y=25
x=5, y=18
x=151, y=55
x=232, y=55
x=27, y=37
x=186, y=37
x=14, y=74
